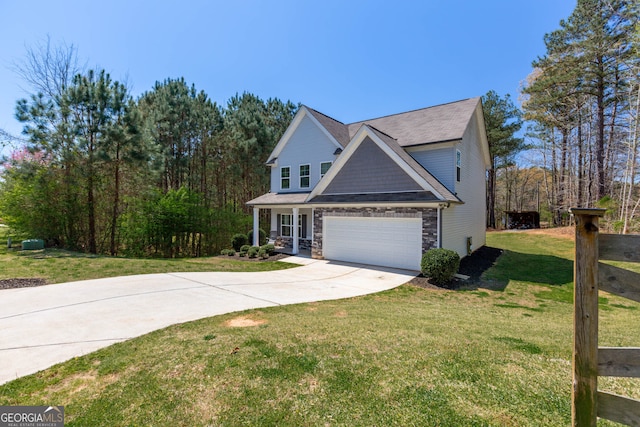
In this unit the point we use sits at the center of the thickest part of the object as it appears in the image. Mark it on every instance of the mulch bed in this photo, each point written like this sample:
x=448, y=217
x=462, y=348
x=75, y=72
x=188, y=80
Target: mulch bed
x=21, y=283
x=236, y=257
x=473, y=266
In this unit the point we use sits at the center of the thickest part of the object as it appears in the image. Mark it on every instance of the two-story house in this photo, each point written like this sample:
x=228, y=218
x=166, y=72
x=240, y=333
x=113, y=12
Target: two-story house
x=380, y=191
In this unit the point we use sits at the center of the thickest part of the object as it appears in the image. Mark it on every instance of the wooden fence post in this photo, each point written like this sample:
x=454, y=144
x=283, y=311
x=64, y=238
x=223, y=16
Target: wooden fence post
x=585, y=320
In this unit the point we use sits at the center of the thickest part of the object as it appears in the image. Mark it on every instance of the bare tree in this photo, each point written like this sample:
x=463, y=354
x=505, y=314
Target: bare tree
x=48, y=68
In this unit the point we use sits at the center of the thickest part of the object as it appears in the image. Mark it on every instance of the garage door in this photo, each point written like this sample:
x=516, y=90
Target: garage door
x=389, y=242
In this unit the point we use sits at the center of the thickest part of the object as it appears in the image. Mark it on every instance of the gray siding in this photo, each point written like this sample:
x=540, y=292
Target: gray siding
x=468, y=219
x=440, y=162
x=308, y=145
x=370, y=170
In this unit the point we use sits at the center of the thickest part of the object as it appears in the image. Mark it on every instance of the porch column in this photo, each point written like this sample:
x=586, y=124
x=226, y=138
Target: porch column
x=274, y=227
x=295, y=230
x=256, y=227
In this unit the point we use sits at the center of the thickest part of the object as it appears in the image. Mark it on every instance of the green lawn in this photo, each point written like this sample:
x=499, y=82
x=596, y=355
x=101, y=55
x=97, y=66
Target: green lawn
x=57, y=266
x=406, y=357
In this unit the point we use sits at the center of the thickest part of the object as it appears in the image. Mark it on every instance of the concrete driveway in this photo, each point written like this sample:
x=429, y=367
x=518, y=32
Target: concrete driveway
x=43, y=326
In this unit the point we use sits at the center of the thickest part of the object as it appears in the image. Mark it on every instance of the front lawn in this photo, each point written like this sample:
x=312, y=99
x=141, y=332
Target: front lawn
x=57, y=266
x=405, y=357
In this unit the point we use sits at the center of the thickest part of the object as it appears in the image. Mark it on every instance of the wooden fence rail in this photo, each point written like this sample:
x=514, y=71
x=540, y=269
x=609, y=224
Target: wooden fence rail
x=590, y=361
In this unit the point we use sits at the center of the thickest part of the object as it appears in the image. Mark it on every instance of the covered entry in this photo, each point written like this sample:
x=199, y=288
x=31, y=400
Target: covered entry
x=390, y=242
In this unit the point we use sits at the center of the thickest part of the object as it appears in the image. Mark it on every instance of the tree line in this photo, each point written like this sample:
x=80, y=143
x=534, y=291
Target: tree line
x=166, y=174
x=581, y=106
x=582, y=101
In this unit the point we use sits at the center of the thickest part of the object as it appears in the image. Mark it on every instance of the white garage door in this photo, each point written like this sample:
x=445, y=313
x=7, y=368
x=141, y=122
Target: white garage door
x=389, y=242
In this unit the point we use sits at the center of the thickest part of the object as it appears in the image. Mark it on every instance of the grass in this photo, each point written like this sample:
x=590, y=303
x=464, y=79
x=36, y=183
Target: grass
x=406, y=357
x=57, y=266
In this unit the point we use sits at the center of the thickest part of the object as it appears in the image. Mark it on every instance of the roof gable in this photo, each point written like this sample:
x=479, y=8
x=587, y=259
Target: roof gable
x=337, y=129
x=394, y=171
x=313, y=116
x=359, y=176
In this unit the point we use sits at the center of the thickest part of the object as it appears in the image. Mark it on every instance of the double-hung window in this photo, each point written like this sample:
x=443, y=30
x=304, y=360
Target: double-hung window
x=458, y=164
x=286, y=225
x=324, y=168
x=285, y=178
x=305, y=172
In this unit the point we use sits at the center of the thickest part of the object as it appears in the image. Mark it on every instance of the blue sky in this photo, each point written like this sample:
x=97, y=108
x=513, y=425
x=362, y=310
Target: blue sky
x=350, y=59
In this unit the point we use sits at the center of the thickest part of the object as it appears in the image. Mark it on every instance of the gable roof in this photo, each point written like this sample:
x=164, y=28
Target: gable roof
x=440, y=123
x=446, y=122
x=337, y=129
x=404, y=168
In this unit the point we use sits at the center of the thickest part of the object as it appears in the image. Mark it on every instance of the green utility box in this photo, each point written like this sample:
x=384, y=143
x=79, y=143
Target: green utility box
x=32, y=244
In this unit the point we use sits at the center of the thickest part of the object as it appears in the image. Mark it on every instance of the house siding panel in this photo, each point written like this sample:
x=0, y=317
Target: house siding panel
x=468, y=219
x=308, y=145
x=440, y=162
x=370, y=170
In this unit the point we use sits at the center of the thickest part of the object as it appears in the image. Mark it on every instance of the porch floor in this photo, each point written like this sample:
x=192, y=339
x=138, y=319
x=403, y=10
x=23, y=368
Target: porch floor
x=306, y=253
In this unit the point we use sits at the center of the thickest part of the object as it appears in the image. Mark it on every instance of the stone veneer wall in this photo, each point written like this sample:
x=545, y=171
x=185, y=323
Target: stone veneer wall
x=429, y=222
x=287, y=242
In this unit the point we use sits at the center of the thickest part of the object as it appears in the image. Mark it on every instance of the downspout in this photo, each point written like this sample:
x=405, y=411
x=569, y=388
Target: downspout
x=439, y=228
x=441, y=206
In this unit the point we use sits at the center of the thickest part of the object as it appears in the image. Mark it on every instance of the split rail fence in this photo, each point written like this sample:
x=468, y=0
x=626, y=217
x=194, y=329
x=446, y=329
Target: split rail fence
x=589, y=360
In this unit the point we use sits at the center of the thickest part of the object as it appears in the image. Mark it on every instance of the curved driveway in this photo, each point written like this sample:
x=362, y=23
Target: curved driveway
x=42, y=326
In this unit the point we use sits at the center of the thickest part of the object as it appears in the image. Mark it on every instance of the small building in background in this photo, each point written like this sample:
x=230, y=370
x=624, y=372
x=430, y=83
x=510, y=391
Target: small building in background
x=522, y=220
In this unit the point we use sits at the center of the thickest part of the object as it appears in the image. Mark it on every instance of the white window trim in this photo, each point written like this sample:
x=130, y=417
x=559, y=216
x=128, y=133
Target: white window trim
x=290, y=225
x=458, y=165
x=322, y=163
x=281, y=178
x=308, y=176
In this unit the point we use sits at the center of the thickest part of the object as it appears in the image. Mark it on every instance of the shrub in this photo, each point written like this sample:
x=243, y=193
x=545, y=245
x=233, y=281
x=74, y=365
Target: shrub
x=439, y=265
x=261, y=240
x=229, y=252
x=262, y=253
x=238, y=240
x=269, y=249
x=245, y=248
x=253, y=251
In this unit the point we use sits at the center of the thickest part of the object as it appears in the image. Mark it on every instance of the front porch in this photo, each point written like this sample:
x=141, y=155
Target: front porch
x=290, y=229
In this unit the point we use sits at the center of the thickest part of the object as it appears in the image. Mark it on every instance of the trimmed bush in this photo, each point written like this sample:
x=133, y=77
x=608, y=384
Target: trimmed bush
x=262, y=253
x=269, y=249
x=244, y=250
x=238, y=240
x=440, y=265
x=253, y=251
x=261, y=240
x=226, y=252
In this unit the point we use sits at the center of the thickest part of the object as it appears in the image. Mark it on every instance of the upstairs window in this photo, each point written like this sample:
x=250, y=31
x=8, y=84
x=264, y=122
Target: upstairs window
x=324, y=168
x=304, y=176
x=458, y=164
x=285, y=178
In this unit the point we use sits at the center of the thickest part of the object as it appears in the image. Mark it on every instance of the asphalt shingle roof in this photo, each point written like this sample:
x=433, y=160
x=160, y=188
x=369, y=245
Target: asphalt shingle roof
x=446, y=122
x=338, y=129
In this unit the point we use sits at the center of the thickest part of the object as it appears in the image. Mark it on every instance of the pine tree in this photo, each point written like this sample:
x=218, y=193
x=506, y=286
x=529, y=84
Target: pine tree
x=502, y=121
